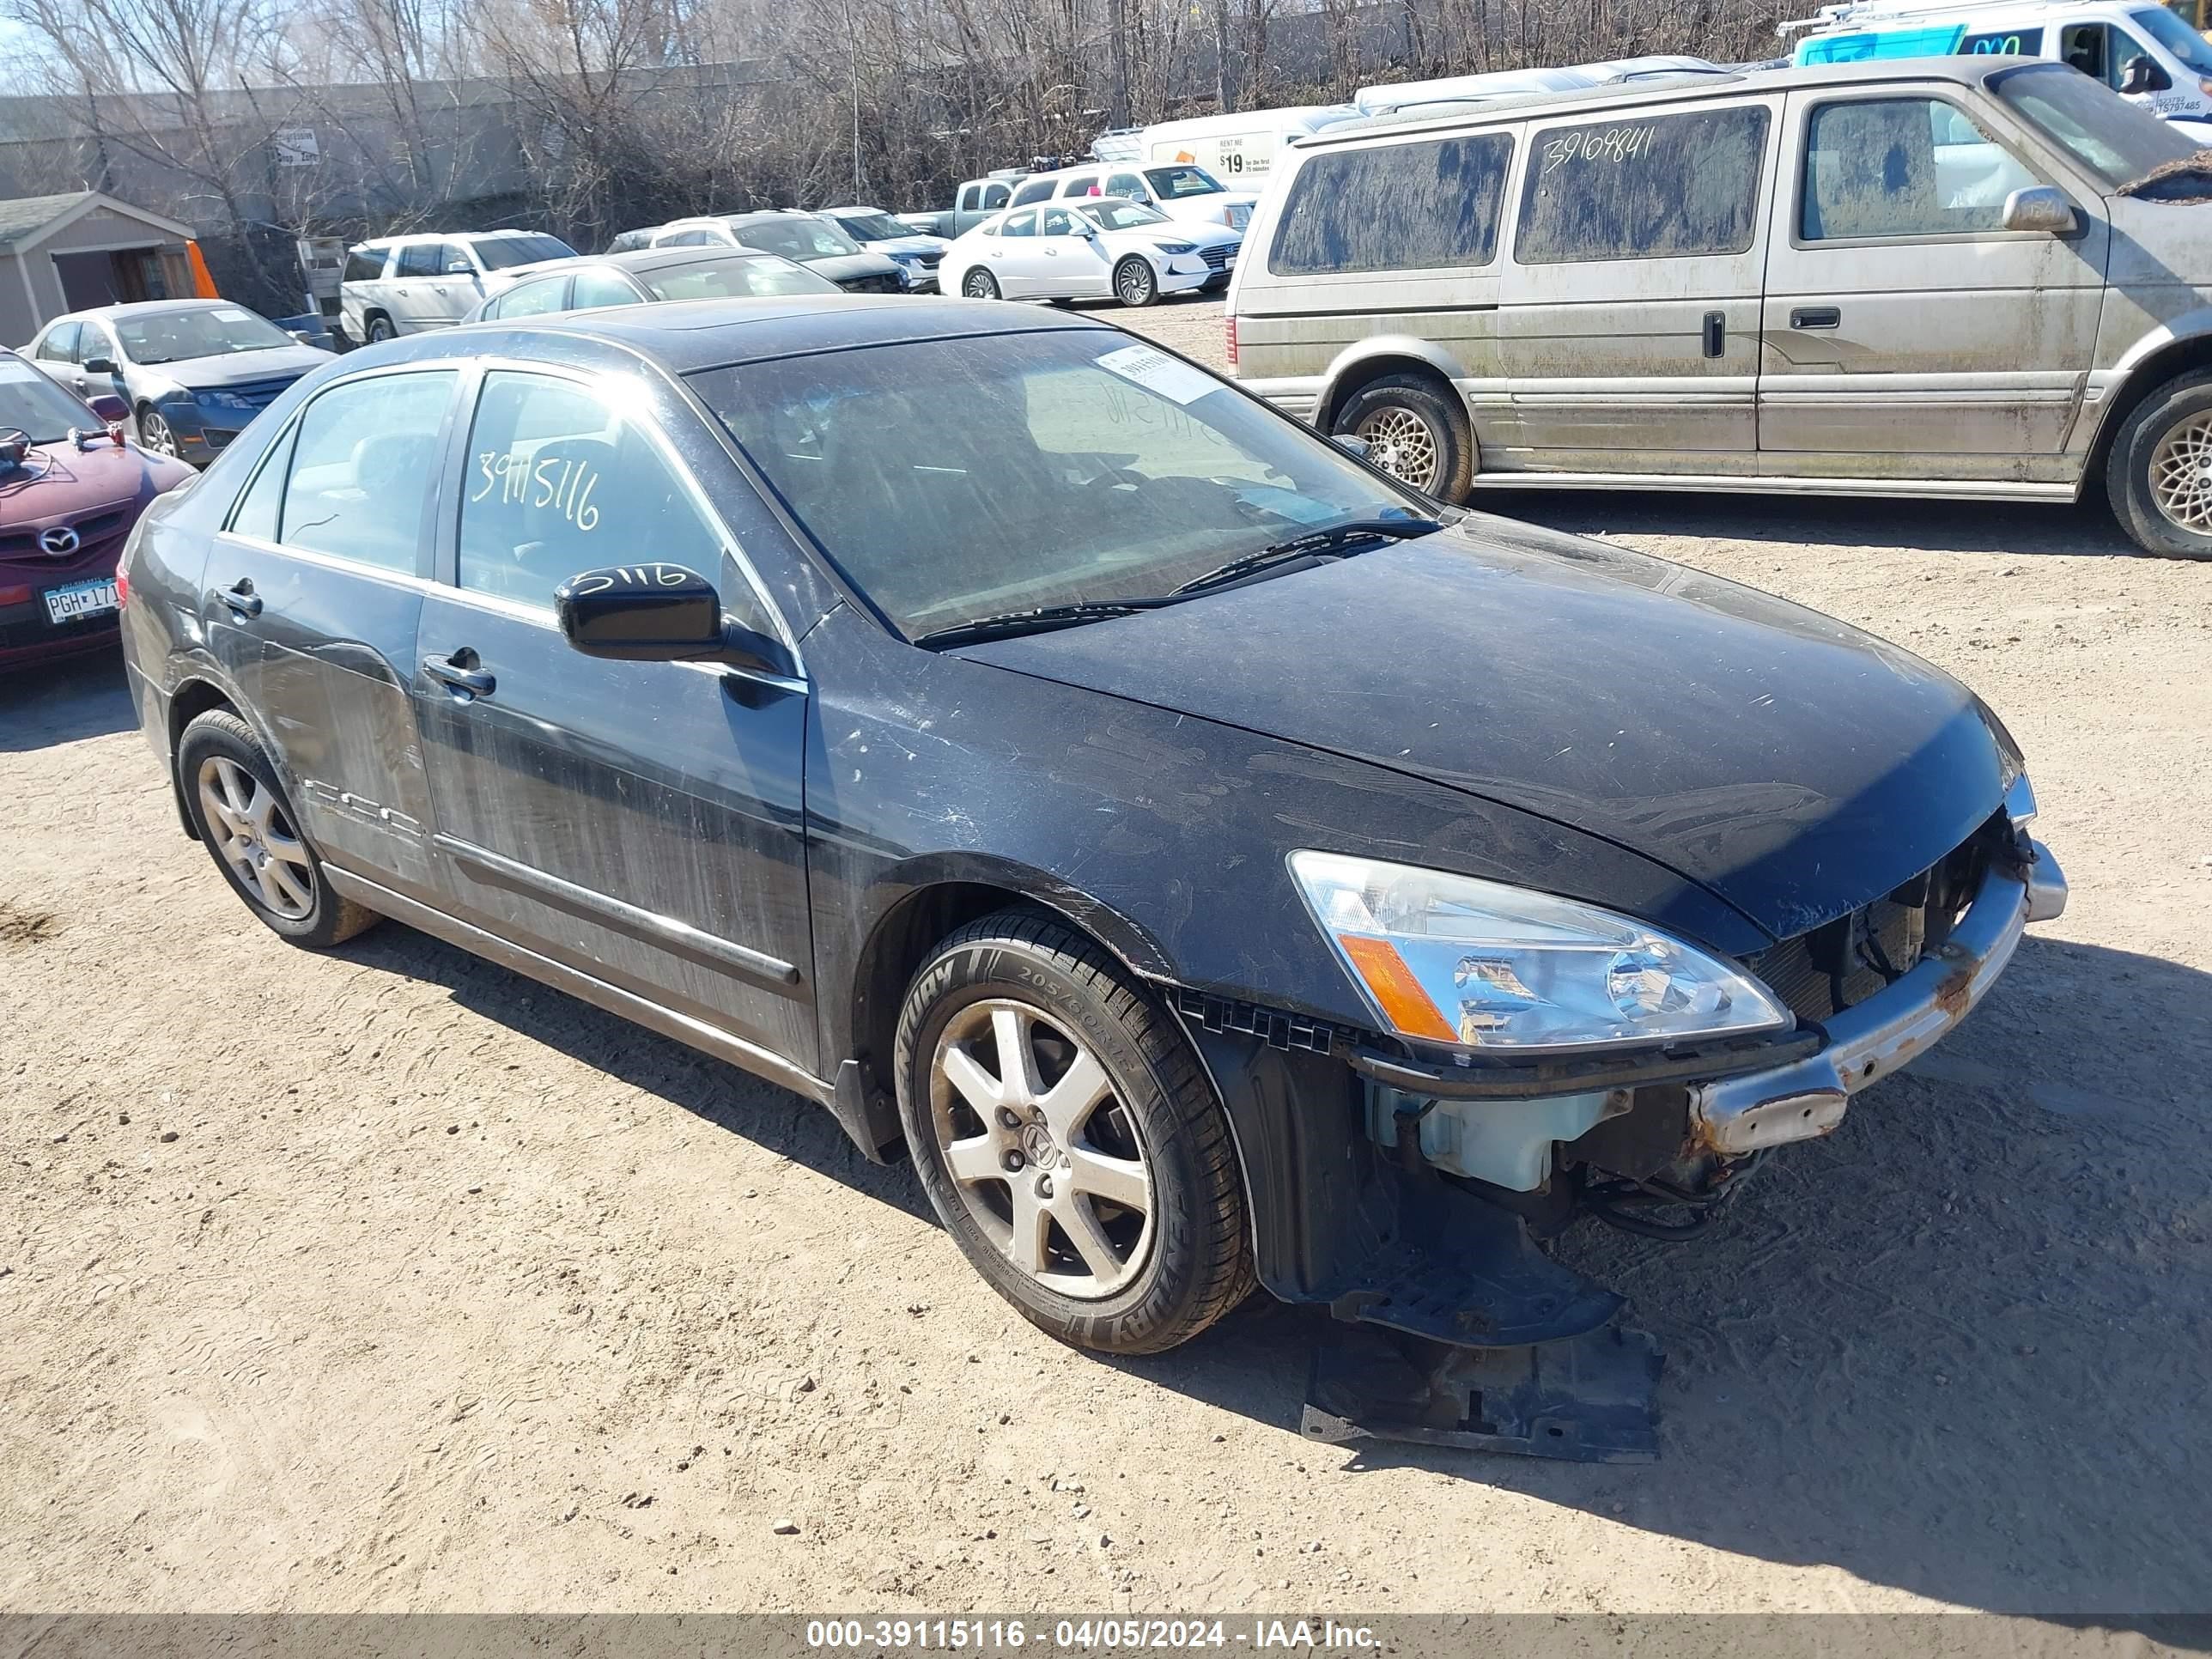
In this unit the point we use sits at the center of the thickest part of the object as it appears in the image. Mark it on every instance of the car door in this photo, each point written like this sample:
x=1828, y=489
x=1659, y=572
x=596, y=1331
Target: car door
x=1628, y=317
x=1074, y=264
x=1907, y=331
x=313, y=590
x=100, y=364
x=639, y=822
x=1014, y=256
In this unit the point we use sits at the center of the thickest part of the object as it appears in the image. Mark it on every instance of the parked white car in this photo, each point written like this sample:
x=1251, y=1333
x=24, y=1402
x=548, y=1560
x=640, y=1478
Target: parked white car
x=405, y=284
x=1098, y=249
x=1184, y=191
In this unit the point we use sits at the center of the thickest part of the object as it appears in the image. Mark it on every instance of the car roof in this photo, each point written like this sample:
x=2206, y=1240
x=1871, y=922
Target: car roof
x=146, y=307
x=687, y=336
x=1449, y=113
x=438, y=236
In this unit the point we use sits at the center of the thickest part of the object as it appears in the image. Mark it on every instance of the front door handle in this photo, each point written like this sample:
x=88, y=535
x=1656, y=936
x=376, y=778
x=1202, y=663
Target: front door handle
x=241, y=598
x=1816, y=317
x=461, y=675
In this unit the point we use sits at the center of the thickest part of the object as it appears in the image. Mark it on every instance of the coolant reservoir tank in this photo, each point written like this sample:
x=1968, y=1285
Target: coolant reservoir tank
x=1507, y=1143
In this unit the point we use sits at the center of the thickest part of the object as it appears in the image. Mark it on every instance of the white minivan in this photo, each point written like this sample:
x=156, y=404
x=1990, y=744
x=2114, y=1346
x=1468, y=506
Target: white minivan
x=2142, y=50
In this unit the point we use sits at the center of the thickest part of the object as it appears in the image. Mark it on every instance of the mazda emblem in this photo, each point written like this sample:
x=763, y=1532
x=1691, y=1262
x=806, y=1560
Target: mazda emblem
x=59, y=541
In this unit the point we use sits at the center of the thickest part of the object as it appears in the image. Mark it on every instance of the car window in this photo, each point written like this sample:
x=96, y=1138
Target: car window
x=1036, y=190
x=699, y=237
x=2009, y=43
x=2091, y=49
x=952, y=479
x=1902, y=167
x=500, y=252
x=420, y=260
x=1084, y=185
x=30, y=402
x=364, y=266
x=798, y=236
x=2117, y=141
x=559, y=482
x=97, y=344
x=732, y=277
x=1019, y=224
x=534, y=298
x=1114, y=213
x=1059, y=222
x=2186, y=45
x=599, y=287
x=364, y=467
x=257, y=513
x=1666, y=186
x=170, y=337
x=1397, y=207
x=1170, y=183
x=1129, y=185
x=59, y=344
x=994, y=197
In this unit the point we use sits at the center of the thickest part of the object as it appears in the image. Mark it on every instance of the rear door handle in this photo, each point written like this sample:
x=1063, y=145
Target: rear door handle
x=459, y=675
x=1716, y=333
x=241, y=598
x=1816, y=317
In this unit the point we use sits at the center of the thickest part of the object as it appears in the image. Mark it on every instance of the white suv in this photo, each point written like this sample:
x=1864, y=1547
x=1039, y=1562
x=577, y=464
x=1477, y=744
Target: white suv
x=405, y=284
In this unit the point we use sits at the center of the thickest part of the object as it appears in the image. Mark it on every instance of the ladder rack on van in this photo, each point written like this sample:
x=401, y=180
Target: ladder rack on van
x=1882, y=11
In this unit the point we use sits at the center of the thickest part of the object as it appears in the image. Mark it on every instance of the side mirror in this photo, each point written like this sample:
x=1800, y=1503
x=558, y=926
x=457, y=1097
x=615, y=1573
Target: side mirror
x=109, y=407
x=659, y=613
x=2038, y=206
x=1354, y=446
x=97, y=366
x=2141, y=73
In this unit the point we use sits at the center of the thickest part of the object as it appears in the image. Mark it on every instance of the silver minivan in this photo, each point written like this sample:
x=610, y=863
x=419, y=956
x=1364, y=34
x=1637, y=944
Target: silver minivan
x=1981, y=277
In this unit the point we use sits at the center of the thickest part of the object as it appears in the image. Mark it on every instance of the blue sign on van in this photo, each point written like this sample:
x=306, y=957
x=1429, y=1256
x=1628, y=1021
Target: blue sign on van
x=1940, y=42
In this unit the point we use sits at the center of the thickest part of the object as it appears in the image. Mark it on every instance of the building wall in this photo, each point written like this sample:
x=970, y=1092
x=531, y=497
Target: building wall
x=32, y=269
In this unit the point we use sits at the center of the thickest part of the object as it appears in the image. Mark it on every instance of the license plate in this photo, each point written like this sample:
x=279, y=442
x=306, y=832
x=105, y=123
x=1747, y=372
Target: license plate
x=80, y=599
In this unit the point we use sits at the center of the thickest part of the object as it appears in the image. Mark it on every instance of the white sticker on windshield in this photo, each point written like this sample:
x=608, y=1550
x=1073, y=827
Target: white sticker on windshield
x=1158, y=372
x=231, y=314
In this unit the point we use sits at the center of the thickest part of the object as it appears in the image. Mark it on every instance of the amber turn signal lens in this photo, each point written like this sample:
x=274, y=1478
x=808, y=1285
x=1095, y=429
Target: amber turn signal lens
x=1396, y=989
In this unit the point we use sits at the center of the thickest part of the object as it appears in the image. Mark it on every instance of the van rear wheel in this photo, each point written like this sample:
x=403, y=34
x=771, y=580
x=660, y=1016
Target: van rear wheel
x=1415, y=431
x=2159, y=475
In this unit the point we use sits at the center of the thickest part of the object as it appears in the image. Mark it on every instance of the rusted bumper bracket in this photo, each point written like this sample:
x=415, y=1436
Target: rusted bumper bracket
x=1737, y=1115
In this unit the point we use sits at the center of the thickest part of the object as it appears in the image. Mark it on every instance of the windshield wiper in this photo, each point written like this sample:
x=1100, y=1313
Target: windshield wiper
x=1331, y=540
x=1006, y=624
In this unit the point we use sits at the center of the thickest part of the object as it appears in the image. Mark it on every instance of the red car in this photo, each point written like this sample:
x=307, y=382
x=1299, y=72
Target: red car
x=70, y=489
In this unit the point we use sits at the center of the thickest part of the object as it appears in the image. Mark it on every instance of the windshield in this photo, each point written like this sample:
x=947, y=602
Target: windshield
x=1122, y=215
x=2183, y=43
x=2117, y=141
x=170, y=336
x=1174, y=182
x=799, y=237
x=741, y=276
x=954, y=479
x=875, y=227
x=31, y=403
x=498, y=252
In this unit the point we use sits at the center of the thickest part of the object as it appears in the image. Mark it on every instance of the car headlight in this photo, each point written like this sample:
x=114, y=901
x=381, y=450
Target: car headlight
x=1449, y=958
x=1174, y=247
x=220, y=400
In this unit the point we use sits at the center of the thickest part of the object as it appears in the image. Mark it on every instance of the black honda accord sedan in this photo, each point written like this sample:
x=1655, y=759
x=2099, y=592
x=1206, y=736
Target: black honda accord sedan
x=1208, y=861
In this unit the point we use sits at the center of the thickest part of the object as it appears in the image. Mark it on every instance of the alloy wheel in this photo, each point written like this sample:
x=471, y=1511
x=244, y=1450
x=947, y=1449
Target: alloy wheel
x=979, y=286
x=257, y=840
x=2181, y=475
x=154, y=433
x=1400, y=443
x=1134, y=285
x=1046, y=1158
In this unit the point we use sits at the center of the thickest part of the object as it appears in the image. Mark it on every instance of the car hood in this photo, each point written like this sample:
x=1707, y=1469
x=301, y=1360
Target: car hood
x=845, y=267
x=59, y=481
x=238, y=368
x=1196, y=233
x=1793, y=766
x=916, y=243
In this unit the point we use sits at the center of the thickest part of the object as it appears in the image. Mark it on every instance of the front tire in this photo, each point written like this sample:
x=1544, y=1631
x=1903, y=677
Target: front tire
x=1135, y=284
x=979, y=285
x=2159, y=474
x=1416, y=430
x=154, y=433
x=1068, y=1139
x=246, y=824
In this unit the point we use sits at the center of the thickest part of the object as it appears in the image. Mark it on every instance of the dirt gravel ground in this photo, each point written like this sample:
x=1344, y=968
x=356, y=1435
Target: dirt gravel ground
x=389, y=1281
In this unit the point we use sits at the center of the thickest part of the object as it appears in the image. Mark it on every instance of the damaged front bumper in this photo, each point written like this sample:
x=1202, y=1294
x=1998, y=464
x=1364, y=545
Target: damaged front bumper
x=1736, y=1116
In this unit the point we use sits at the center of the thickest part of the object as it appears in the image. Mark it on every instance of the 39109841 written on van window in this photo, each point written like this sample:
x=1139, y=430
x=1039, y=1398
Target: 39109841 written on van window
x=1660, y=187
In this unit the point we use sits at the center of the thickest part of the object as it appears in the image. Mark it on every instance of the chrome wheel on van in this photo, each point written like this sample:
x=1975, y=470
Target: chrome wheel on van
x=1044, y=1154
x=2181, y=475
x=1401, y=442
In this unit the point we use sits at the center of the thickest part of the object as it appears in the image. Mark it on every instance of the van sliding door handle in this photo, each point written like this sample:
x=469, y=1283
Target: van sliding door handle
x=1816, y=317
x=1716, y=333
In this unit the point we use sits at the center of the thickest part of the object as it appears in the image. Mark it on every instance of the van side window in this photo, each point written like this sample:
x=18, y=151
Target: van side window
x=1667, y=186
x=1902, y=167
x=1394, y=207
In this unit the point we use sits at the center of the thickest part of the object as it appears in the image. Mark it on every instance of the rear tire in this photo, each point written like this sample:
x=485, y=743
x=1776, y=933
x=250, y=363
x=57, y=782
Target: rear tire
x=379, y=328
x=2158, y=475
x=245, y=822
x=1136, y=284
x=1416, y=430
x=1068, y=1139
x=979, y=285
